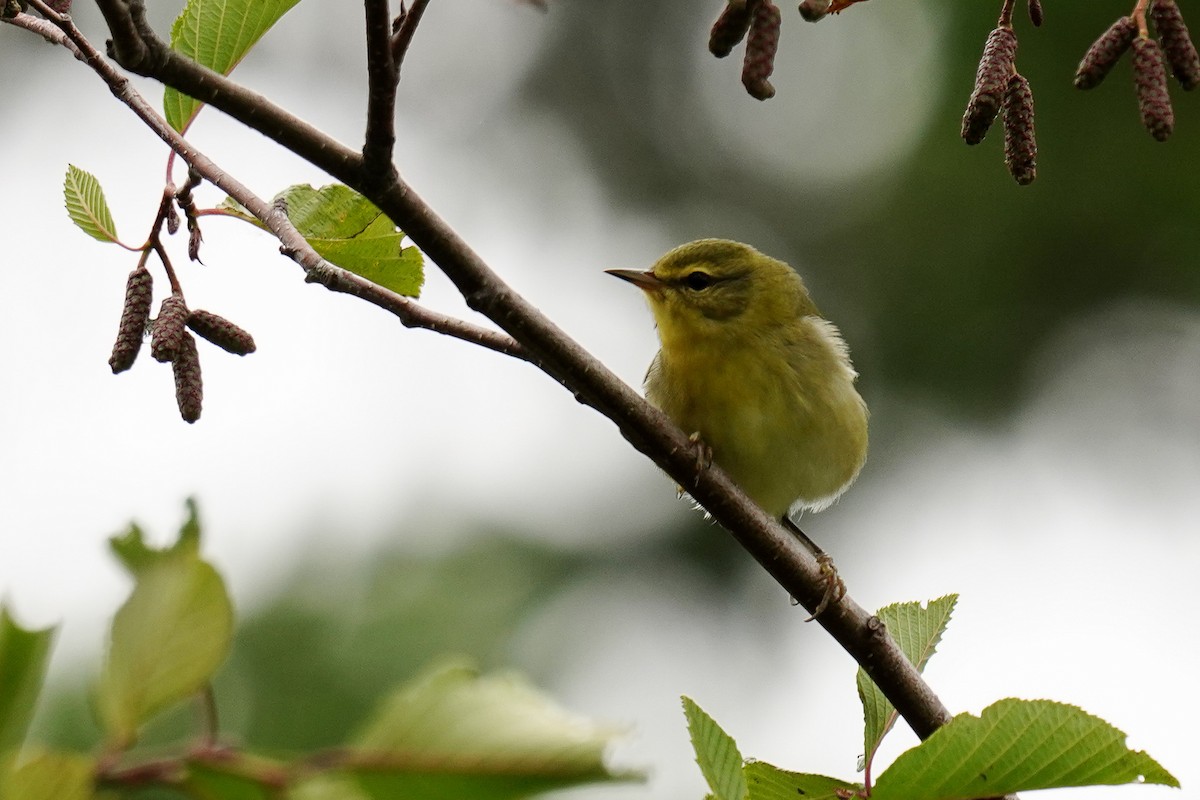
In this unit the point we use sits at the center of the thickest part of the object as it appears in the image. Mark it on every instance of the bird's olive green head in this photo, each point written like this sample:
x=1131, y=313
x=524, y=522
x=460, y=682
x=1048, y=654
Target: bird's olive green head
x=719, y=287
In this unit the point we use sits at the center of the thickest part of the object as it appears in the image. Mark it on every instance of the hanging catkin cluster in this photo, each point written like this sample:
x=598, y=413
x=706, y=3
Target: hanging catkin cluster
x=758, y=22
x=169, y=339
x=1173, y=47
x=999, y=87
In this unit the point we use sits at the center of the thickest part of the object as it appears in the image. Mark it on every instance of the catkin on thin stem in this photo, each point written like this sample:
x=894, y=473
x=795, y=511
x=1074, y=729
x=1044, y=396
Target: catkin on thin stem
x=1176, y=42
x=1150, y=78
x=991, y=82
x=761, y=45
x=135, y=314
x=1104, y=53
x=1020, y=143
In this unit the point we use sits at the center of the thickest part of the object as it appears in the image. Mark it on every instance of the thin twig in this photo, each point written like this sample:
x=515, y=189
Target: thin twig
x=382, y=75
x=403, y=37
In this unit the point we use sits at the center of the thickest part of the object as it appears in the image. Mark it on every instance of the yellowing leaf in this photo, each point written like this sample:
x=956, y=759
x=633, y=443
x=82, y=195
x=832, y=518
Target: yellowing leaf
x=52, y=776
x=169, y=637
x=452, y=732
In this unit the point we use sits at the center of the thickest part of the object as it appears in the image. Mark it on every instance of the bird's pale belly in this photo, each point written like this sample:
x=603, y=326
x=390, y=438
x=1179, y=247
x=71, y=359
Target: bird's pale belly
x=780, y=440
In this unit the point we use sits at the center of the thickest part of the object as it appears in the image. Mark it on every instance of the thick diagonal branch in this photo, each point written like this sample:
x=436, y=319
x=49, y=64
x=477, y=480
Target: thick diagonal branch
x=647, y=429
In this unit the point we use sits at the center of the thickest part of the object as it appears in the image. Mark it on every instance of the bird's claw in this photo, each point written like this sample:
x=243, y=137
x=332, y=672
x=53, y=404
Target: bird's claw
x=835, y=587
x=703, y=454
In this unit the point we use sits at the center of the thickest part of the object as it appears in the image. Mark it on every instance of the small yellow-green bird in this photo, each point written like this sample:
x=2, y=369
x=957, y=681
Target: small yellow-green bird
x=750, y=367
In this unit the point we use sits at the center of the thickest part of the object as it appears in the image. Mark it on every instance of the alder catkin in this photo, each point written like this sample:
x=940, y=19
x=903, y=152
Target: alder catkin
x=139, y=291
x=991, y=82
x=189, y=386
x=1105, y=52
x=1020, y=143
x=730, y=28
x=167, y=331
x=761, y=45
x=1035, y=13
x=1176, y=43
x=1150, y=78
x=221, y=332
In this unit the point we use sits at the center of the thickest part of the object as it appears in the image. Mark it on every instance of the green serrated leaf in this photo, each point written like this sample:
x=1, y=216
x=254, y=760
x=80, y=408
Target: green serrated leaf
x=1017, y=746
x=169, y=637
x=24, y=655
x=917, y=631
x=86, y=205
x=52, y=776
x=348, y=230
x=766, y=782
x=217, y=34
x=716, y=753
x=452, y=732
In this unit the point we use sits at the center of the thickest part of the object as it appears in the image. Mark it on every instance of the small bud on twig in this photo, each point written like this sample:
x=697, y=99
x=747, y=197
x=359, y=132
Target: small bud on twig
x=1098, y=61
x=139, y=290
x=167, y=331
x=730, y=28
x=1150, y=77
x=761, y=45
x=1176, y=42
x=991, y=83
x=172, y=219
x=221, y=332
x=194, y=239
x=189, y=386
x=1020, y=143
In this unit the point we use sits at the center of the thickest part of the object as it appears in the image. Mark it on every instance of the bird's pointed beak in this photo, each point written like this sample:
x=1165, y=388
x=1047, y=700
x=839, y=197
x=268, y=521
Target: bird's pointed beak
x=646, y=281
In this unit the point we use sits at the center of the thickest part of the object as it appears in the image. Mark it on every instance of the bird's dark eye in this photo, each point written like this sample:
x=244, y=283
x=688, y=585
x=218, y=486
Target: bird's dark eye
x=698, y=281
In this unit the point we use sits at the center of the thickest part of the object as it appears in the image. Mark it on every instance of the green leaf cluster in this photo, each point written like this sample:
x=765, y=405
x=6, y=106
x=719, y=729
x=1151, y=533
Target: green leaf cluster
x=450, y=732
x=1012, y=746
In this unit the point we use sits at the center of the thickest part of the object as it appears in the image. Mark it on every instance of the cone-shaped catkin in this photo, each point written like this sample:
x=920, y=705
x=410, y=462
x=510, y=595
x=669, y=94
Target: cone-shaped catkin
x=221, y=332
x=1150, y=77
x=1035, y=13
x=814, y=10
x=1176, y=43
x=730, y=28
x=139, y=291
x=1105, y=52
x=761, y=45
x=991, y=82
x=189, y=386
x=167, y=331
x=1020, y=144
